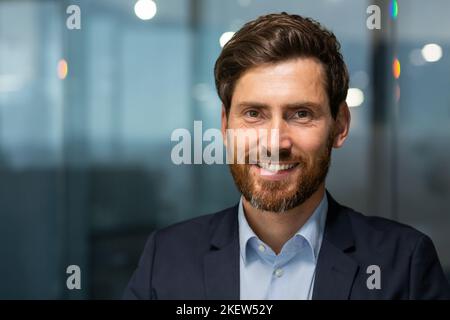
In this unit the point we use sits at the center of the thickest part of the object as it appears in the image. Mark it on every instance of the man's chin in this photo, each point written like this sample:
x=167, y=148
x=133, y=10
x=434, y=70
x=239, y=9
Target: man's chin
x=277, y=196
x=273, y=195
x=273, y=199
x=274, y=204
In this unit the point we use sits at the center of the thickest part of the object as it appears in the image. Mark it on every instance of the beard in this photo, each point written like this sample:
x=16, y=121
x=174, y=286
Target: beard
x=282, y=195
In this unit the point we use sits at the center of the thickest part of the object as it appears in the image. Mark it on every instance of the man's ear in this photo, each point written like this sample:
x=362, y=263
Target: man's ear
x=224, y=125
x=342, y=125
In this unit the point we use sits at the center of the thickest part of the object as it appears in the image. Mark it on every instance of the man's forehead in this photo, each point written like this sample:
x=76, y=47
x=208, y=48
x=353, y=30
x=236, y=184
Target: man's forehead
x=293, y=81
x=286, y=67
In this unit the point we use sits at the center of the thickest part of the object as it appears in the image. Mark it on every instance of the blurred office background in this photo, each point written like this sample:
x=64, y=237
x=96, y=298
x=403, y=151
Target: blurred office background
x=86, y=118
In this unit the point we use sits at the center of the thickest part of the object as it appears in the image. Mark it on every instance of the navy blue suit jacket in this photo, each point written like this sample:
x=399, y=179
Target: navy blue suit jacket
x=199, y=259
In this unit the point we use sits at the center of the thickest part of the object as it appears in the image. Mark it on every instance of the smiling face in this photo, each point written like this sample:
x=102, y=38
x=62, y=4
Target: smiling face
x=290, y=97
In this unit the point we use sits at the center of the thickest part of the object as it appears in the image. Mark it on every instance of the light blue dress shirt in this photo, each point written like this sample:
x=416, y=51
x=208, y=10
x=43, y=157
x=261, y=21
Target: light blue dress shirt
x=288, y=275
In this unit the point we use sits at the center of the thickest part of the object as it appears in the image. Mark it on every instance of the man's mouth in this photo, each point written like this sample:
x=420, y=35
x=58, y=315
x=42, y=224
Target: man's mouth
x=275, y=167
x=275, y=171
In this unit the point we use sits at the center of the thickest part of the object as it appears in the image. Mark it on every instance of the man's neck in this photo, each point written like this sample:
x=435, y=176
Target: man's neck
x=275, y=229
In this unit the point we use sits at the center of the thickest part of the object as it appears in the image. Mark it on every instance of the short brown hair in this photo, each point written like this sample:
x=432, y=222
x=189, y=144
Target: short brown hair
x=278, y=37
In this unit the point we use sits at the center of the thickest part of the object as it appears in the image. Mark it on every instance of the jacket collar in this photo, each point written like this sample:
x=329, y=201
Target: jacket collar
x=221, y=263
x=335, y=270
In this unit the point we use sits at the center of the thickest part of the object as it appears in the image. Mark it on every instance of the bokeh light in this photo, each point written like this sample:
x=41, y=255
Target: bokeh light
x=394, y=9
x=396, y=68
x=355, y=97
x=63, y=69
x=432, y=52
x=225, y=37
x=145, y=9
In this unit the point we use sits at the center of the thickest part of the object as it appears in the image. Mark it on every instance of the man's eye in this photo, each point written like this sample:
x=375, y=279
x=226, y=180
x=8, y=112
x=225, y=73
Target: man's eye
x=302, y=114
x=252, y=113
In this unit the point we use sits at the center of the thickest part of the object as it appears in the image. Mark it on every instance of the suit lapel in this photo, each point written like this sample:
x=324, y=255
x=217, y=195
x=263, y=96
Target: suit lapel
x=335, y=273
x=221, y=263
x=335, y=270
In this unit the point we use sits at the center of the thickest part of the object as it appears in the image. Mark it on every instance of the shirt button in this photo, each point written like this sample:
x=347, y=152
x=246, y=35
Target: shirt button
x=279, y=272
x=261, y=248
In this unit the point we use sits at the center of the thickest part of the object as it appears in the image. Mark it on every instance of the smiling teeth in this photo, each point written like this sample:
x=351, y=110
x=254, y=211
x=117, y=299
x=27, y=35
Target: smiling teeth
x=276, y=167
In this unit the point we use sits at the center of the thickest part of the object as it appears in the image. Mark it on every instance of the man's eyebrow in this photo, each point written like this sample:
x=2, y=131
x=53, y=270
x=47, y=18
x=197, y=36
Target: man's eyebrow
x=305, y=104
x=294, y=105
x=257, y=105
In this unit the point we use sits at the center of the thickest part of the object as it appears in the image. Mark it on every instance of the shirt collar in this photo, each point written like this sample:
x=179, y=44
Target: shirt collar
x=311, y=231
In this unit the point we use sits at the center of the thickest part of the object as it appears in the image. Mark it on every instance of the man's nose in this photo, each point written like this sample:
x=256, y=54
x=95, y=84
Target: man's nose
x=282, y=139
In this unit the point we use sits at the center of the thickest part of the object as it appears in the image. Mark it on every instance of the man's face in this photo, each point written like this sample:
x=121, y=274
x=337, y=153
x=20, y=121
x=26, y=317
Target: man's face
x=288, y=96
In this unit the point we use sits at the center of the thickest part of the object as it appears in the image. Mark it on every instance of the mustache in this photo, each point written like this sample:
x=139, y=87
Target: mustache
x=284, y=155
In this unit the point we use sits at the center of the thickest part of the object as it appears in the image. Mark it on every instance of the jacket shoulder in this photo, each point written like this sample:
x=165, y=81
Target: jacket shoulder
x=384, y=232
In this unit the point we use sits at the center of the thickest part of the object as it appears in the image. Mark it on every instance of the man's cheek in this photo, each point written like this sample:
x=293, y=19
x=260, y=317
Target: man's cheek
x=310, y=145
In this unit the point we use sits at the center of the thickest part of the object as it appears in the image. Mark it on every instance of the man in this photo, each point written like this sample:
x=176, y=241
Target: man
x=287, y=238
